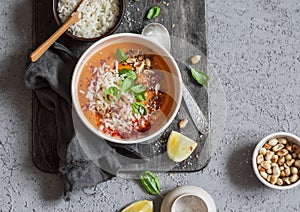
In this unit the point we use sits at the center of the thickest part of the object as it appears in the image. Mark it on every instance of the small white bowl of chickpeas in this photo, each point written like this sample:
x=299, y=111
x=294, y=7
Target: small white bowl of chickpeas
x=276, y=160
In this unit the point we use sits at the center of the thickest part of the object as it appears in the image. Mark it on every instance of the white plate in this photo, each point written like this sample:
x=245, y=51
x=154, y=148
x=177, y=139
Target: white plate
x=179, y=192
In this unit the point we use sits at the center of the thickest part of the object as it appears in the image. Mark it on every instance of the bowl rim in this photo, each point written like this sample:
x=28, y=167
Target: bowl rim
x=188, y=190
x=199, y=195
x=289, y=136
x=109, y=32
x=74, y=92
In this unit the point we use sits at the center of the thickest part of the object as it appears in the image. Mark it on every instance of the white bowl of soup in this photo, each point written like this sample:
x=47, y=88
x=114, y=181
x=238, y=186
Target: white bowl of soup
x=126, y=88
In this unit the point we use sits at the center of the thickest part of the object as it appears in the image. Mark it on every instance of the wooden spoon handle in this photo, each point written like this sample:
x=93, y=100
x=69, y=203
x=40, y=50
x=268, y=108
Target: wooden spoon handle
x=34, y=56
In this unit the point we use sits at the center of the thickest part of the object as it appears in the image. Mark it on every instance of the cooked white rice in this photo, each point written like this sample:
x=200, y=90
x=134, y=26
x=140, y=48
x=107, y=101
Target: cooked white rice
x=97, y=16
x=122, y=116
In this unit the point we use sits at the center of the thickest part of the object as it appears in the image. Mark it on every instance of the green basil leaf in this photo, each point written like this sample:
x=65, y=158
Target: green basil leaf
x=201, y=77
x=131, y=74
x=112, y=91
x=150, y=182
x=153, y=12
x=127, y=73
x=123, y=71
x=140, y=88
x=121, y=56
x=140, y=97
x=126, y=84
x=139, y=108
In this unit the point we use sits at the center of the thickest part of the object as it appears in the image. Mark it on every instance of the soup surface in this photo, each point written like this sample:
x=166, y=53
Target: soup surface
x=125, y=90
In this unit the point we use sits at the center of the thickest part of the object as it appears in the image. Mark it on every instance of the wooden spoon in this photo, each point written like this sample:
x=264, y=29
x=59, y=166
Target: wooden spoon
x=34, y=56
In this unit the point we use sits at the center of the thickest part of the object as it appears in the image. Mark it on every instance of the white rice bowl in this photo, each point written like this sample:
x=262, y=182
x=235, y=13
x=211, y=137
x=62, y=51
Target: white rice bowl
x=96, y=16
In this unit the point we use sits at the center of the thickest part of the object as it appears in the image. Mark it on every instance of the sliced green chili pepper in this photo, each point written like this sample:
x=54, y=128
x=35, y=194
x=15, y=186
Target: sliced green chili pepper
x=139, y=108
x=112, y=91
x=153, y=12
x=140, y=96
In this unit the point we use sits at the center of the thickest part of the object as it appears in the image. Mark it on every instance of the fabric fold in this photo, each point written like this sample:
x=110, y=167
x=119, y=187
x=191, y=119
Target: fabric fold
x=50, y=79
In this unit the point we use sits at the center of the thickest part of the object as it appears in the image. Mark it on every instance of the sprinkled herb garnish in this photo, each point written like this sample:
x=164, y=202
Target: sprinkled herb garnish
x=127, y=73
x=121, y=56
x=140, y=88
x=126, y=84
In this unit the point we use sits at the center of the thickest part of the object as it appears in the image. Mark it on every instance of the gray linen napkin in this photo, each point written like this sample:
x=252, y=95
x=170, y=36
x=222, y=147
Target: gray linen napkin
x=50, y=78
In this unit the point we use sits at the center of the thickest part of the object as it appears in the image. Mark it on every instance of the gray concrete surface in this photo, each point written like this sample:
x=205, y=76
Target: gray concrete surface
x=253, y=45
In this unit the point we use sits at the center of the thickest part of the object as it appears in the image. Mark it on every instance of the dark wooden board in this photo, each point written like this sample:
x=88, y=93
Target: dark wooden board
x=185, y=21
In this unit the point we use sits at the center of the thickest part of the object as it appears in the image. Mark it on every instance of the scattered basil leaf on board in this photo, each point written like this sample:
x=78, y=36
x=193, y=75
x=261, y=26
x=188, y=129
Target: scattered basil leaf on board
x=121, y=56
x=139, y=108
x=140, y=88
x=126, y=84
x=150, y=182
x=153, y=12
x=112, y=91
x=140, y=97
x=201, y=77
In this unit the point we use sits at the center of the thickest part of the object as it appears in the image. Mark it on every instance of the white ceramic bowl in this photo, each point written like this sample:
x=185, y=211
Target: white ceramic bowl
x=142, y=40
x=291, y=138
x=177, y=198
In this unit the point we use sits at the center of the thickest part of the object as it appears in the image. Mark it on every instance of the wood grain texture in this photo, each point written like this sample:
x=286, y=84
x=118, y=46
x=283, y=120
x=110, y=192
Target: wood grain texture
x=185, y=20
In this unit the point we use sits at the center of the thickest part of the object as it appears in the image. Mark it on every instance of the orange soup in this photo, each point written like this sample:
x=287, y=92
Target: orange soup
x=125, y=90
